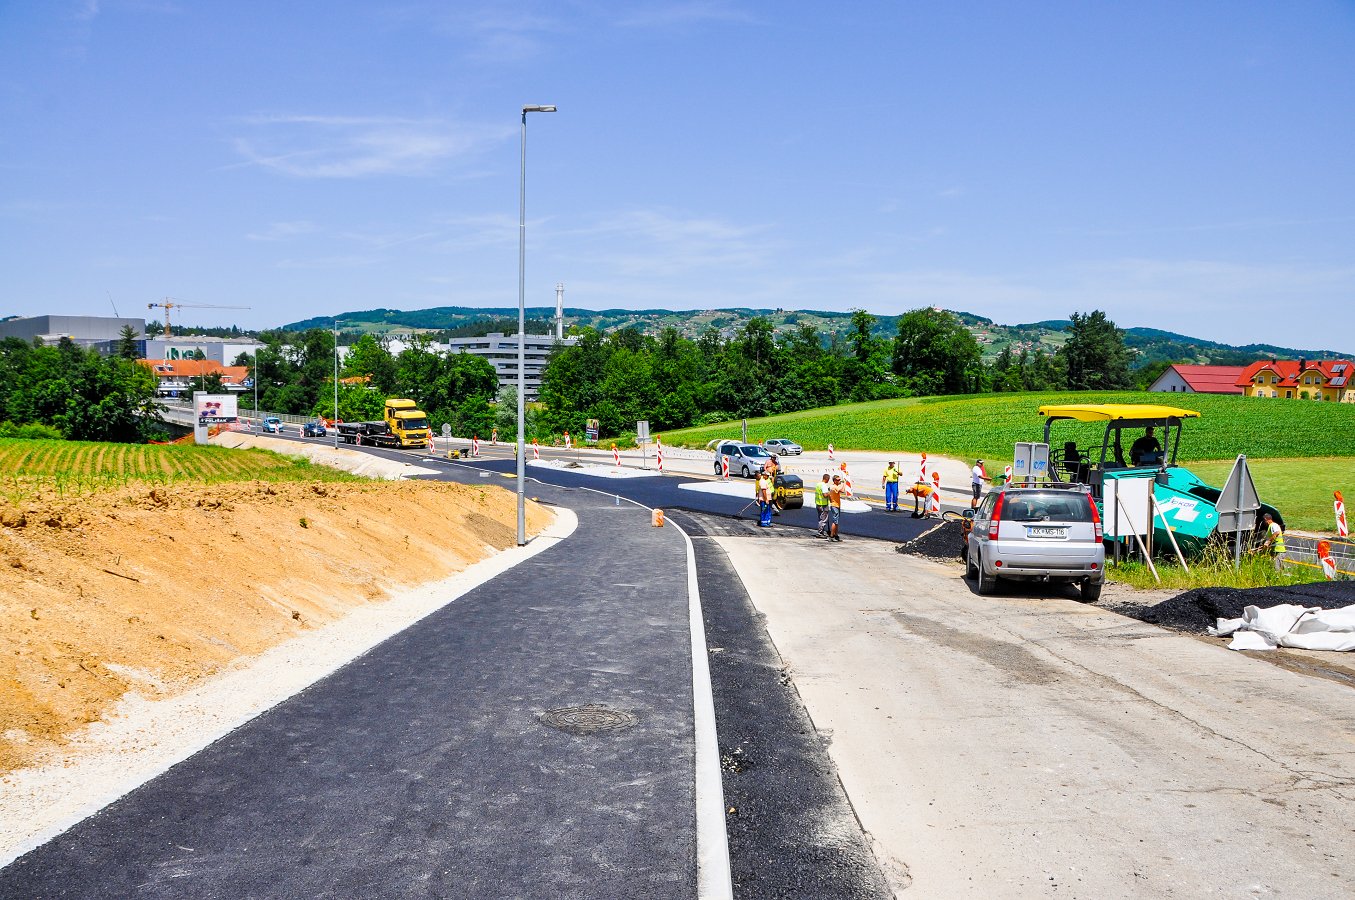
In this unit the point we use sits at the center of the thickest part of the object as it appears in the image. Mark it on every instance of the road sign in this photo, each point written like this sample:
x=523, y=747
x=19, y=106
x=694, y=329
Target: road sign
x=1238, y=501
x=446, y=430
x=590, y=432
x=642, y=431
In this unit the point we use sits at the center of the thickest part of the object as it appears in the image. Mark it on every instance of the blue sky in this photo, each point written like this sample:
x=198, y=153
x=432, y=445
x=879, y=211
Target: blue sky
x=1187, y=166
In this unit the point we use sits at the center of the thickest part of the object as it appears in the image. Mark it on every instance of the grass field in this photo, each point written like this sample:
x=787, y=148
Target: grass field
x=1299, y=451
x=79, y=467
x=987, y=425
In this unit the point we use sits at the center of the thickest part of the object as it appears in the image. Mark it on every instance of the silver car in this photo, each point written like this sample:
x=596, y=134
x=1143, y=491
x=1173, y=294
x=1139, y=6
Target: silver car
x=782, y=447
x=744, y=459
x=1047, y=533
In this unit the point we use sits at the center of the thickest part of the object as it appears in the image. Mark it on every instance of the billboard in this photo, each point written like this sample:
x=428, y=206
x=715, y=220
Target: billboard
x=213, y=409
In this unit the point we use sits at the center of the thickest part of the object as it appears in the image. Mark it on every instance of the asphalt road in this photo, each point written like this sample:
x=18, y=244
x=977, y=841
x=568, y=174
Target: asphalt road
x=425, y=769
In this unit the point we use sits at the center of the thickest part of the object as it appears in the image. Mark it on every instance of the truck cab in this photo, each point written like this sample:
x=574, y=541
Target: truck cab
x=407, y=423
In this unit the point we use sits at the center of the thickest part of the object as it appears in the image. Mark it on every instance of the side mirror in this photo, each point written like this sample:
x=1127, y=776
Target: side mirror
x=968, y=513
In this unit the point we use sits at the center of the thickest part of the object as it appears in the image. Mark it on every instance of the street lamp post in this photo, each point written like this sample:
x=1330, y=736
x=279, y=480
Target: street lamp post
x=335, y=419
x=522, y=328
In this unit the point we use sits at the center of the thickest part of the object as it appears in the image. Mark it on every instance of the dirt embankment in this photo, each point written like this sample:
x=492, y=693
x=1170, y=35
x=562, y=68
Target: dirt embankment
x=153, y=590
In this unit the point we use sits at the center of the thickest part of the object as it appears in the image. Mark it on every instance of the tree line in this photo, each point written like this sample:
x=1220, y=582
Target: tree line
x=76, y=393
x=673, y=381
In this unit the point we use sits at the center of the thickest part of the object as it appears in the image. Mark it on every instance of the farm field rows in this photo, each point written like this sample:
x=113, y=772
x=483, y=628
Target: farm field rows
x=78, y=467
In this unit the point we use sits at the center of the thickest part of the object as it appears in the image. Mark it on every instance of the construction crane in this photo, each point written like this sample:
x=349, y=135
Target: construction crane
x=170, y=303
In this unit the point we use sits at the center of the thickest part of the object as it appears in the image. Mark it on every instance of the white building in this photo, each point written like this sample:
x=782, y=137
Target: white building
x=502, y=352
x=223, y=351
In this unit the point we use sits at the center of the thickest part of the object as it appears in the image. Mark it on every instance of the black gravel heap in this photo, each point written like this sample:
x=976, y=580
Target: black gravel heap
x=943, y=542
x=1198, y=609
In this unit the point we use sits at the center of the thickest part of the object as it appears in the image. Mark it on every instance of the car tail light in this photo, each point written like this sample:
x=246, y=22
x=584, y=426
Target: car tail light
x=992, y=521
x=1096, y=520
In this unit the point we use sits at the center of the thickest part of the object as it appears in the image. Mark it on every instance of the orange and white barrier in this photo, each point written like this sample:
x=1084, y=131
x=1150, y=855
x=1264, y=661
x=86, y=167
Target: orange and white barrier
x=616, y=456
x=658, y=442
x=474, y=445
x=846, y=476
x=724, y=467
x=1342, y=529
x=1328, y=561
x=568, y=444
x=1007, y=475
x=830, y=452
x=536, y=451
x=922, y=472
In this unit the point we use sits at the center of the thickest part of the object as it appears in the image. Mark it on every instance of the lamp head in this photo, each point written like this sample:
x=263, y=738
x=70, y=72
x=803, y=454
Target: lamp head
x=527, y=109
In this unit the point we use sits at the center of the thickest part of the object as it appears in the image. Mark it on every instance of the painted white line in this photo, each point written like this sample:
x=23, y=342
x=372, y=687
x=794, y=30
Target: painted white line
x=117, y=756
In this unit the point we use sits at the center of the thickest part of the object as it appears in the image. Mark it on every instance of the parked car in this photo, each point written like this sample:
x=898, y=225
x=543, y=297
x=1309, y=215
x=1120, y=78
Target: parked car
x=272, y=425
x=314, y=429
x=783, y=447
x=744, y=459
x=1047, y=533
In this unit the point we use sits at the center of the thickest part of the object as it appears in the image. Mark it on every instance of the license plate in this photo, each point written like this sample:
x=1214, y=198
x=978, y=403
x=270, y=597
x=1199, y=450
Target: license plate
x=1046, y=531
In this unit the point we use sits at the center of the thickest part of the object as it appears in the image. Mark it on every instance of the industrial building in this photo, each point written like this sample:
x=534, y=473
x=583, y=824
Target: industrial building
x=100, y=332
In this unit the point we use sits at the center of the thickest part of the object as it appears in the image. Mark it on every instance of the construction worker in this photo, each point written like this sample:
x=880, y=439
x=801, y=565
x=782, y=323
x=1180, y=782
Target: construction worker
x=1274, y=541
x=890, y=482
x=764, y=498
x=977, y=476
x=821, y=505
x=835, y=493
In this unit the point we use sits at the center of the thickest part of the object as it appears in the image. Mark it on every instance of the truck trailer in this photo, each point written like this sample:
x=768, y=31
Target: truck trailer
x=404, y=426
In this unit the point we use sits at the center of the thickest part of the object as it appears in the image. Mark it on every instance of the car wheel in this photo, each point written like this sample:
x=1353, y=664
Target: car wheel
x=987, y=583
x=745, y=472
x=1091, y=590
x=717, y=467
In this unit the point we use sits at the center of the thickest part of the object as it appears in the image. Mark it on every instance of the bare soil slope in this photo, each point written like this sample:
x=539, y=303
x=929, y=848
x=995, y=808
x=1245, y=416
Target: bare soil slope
x=153, y=590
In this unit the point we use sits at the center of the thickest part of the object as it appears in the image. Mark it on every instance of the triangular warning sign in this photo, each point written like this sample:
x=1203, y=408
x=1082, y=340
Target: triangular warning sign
x=1239, y=491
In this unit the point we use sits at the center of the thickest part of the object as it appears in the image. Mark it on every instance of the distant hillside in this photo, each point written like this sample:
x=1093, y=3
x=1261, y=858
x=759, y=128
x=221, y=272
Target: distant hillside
x=1151, y=344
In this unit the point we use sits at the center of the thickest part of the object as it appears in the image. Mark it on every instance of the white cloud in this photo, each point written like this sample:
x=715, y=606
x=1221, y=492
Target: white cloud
x=309, y=146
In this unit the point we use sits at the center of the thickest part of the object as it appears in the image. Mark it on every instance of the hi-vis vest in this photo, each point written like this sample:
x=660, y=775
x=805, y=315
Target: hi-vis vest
x=1278, y=533
x=891, y=474
x=821, y=494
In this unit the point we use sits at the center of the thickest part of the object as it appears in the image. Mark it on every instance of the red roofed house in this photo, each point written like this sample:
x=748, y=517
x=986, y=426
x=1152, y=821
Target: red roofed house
x=177, y=377
x=1199, y=380
x=1288, y=379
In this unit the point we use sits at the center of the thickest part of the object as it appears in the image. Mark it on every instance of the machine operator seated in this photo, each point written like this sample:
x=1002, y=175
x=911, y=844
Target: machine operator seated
x=1146, y=451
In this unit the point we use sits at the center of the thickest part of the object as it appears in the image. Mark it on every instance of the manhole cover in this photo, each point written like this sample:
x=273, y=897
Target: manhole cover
x=589, y=719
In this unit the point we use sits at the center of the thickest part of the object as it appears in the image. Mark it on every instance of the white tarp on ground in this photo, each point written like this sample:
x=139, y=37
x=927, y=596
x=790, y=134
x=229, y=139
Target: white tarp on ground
x=1304, y=628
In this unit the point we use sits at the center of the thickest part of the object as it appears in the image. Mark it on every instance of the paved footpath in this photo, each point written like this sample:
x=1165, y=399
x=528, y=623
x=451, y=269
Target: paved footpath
x=424, y=769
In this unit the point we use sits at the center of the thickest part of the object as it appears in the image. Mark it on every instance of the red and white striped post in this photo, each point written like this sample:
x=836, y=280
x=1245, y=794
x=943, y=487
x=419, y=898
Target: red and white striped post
x=724, y=467
x=1328, y=561
x=474, y=445
x=1342, y=529
x=536, y=450
x=616, y=456
x=658, y=442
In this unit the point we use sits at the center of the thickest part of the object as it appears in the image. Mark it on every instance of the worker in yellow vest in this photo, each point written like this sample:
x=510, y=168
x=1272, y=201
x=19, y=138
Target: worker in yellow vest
x=890, y=482
x=1274, y=541
x=821, y=505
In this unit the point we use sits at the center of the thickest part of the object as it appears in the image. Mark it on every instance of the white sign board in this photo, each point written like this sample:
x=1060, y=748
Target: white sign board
x=446, y=429
x=1039, y=460
x=642, y=431
x=1021, y=462
x=1126, y=506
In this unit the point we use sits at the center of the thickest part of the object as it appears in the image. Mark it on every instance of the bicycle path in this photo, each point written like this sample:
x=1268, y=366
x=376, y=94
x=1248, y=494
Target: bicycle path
x=424, y=768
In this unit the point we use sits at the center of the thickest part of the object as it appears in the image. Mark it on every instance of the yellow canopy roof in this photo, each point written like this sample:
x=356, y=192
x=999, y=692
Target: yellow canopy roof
x=1108, y=412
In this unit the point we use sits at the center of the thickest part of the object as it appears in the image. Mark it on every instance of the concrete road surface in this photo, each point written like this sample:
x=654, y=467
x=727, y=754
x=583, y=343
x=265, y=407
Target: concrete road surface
x=1026, y=745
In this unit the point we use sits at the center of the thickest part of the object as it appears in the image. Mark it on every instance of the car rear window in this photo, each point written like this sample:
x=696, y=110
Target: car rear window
x=1041, y=506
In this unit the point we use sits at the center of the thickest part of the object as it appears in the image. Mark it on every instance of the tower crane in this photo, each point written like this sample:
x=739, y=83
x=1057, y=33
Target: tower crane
x=170, y=303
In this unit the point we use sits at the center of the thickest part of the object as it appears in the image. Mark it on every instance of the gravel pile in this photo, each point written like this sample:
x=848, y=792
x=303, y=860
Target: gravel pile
x=1199, y=609
x=945, y=541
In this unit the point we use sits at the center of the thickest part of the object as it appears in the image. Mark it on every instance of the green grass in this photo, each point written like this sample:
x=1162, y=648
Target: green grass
x=987, y=425
x=1301, y=489
x=78, y=468
x=1214, y=569
x=1299, y=451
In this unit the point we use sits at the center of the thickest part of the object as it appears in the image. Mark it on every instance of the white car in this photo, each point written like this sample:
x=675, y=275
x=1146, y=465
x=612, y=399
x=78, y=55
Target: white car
x=744, y=459
x=1047, y=533
x=783, y=447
